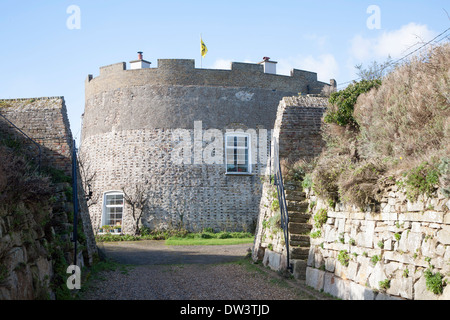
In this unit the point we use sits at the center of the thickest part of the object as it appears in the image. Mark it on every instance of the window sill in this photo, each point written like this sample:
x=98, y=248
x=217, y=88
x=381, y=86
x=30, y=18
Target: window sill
x=239, y=174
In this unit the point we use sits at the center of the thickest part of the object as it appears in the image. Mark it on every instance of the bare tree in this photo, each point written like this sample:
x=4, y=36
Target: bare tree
x=138, y=200
x=87, y=179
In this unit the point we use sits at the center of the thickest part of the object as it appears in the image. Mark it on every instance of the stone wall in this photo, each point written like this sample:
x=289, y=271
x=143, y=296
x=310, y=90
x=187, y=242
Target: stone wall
x=35, y=228
x=45, y=121
x=297, y=132
x=194, y=196
x=382, y=252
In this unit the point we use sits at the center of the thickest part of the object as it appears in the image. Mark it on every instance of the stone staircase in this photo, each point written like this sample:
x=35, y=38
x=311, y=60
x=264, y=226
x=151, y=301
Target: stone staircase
x=299, y=227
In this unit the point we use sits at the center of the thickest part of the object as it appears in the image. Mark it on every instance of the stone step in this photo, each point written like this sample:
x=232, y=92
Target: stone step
x=301, y=206
x=299, y=228
x=295, y=195
x=302, y=240
x=299, y=253
x=299, y=268
x=296, y=216
x=292, y=186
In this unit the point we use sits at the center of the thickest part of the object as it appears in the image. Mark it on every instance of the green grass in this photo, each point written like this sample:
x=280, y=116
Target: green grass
x=174, y=241
x=184, y=238
x=210, y=238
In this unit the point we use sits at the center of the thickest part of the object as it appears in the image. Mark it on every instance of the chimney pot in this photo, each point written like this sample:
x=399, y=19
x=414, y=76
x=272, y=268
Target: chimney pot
x=140, y=55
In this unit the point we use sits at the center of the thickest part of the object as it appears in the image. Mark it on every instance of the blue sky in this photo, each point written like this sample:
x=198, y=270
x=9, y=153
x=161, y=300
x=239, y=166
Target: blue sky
x=41, y=56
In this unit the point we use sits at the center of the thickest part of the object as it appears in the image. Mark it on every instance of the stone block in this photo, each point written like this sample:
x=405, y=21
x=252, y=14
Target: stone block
x=402, y=287
x=378, y=274
x=273, y=260
x=410, y=241
x=299, y=269
x=336, y=286
x=443, y=235
x=360, y=292
x=315, y=278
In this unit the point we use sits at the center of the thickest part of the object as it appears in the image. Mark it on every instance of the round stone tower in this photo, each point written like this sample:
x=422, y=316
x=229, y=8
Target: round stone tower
x=181, y=145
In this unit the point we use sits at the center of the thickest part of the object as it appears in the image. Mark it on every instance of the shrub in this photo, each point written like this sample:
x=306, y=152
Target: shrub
x=343, y=102
x=320, y=218
x=421, y=180
x=434, y=281
x=444, y=170
x=358, y=184
x=326, y=175
x=385, y=284
x=316, y=234
x=343, y=257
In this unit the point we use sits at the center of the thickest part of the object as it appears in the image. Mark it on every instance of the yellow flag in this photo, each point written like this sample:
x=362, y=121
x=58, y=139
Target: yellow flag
x=203, y=48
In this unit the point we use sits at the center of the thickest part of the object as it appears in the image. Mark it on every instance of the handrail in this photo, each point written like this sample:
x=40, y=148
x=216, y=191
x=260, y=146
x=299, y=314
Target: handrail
x=278, y=181
x=26, y=136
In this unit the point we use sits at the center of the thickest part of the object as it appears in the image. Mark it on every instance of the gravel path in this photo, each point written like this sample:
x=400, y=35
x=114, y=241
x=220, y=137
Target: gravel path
x=202, y=276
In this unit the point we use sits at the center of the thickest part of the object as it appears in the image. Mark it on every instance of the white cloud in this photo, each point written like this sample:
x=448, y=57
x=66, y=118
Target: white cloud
x=325, y=65
x=395, y=43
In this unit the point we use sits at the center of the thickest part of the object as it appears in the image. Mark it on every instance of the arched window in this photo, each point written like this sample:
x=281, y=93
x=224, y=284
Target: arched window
x=112, y=208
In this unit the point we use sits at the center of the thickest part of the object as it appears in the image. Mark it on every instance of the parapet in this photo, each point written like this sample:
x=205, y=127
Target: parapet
x=183, y=72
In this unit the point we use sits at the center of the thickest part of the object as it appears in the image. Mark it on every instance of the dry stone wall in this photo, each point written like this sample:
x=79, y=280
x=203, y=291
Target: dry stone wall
x=383, y=252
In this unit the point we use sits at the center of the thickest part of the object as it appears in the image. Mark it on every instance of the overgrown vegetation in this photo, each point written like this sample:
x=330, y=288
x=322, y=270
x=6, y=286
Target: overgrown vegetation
x=388, y=127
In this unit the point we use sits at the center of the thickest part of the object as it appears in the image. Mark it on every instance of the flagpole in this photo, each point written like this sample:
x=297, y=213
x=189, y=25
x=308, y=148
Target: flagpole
x=201, y=57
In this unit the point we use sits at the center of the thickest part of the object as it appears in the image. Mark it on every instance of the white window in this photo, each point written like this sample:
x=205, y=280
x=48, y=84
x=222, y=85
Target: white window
x=237, y=153
x=112, y=209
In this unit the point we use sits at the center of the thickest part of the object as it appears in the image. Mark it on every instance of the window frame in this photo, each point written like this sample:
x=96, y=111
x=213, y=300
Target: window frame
x=105, y=206
x=248, y=148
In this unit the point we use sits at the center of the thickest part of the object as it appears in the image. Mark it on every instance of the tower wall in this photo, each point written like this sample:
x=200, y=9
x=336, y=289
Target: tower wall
x=131, y=120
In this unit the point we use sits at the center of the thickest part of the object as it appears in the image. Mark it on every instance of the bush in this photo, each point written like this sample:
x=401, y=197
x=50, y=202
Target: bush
x=326, y=174
x=421, y=180
x=434, y=281
x=343, y=257
x=358, y=184
x=343, y=102
x=444, y=170
x=320, y=218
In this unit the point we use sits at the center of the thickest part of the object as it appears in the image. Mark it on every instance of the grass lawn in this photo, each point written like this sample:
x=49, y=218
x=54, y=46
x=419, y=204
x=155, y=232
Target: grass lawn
x=176, y=241
x=185, y=238
x=210, y=238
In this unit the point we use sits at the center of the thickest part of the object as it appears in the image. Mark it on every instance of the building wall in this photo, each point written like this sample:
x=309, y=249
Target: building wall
x=128, y=130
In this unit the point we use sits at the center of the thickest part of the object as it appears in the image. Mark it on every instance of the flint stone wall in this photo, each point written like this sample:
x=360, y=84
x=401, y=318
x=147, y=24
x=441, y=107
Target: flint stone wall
x=130, y=116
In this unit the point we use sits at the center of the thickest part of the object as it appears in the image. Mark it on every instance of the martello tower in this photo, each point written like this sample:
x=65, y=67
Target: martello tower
x=136, y=120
